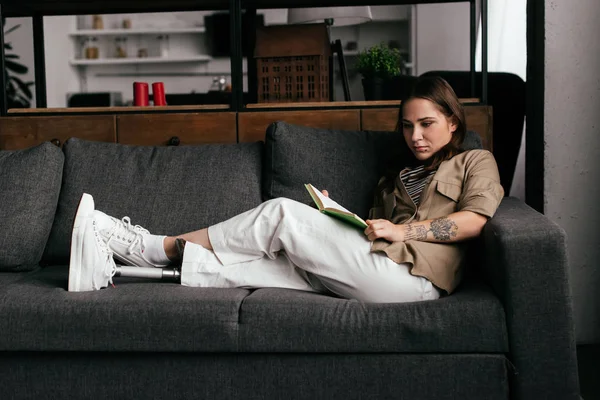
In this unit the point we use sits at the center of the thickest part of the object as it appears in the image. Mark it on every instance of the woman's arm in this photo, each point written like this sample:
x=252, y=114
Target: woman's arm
x=461, y=225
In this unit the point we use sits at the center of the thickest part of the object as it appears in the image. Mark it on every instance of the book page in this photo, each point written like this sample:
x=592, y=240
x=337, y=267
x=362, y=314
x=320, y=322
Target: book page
x=326, y=201
x=333, y=209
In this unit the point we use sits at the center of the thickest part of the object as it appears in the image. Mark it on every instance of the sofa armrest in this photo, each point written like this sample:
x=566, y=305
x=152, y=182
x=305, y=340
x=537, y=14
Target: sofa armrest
x=525, y=262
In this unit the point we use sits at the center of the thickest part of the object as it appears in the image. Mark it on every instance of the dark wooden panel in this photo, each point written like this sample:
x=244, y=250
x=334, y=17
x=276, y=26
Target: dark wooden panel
x=252, y=126
x=479, y=119
x=158, y=129
x=23, y=132
x=379, y=119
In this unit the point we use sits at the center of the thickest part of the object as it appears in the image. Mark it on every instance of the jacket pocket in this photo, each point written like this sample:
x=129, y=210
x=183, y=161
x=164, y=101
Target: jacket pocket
x=449, y=190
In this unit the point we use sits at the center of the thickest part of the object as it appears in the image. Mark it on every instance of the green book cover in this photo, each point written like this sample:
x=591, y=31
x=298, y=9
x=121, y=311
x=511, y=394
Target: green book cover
x=333, y=209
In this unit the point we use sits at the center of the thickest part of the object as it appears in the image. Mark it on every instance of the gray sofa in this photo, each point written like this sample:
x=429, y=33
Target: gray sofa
x=507, y=332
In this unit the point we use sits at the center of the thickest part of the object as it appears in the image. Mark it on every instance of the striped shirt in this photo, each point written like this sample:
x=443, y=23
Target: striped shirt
x=414, y=181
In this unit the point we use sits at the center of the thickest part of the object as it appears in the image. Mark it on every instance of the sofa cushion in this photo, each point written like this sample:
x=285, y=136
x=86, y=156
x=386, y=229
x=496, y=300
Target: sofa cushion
x=29, y=190
x=346, y=163
x=470, y=321
x=134, y=316
x=141, y=315
x=7, y=278
x=167, y=190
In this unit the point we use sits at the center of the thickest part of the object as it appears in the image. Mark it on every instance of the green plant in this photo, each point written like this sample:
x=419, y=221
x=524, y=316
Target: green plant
x=379, y=61
x=18, y=93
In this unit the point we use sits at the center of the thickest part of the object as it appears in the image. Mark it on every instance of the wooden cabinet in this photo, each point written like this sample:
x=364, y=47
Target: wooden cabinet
x=193, y=128
x=23, y=132
x=252, y=126
x=177, y=129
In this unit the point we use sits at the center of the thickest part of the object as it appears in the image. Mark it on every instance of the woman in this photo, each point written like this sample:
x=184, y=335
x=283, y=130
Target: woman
x=411, y=249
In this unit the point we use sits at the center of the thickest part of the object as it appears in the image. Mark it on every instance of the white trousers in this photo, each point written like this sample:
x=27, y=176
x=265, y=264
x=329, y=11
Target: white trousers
x=286, y=244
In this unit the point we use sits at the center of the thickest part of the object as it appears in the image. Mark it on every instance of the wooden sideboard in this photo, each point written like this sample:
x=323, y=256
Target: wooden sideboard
x=192, y=128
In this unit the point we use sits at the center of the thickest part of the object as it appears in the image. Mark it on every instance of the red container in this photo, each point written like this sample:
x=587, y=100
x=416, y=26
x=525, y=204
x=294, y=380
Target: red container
x=158, y=94
x=140, y=94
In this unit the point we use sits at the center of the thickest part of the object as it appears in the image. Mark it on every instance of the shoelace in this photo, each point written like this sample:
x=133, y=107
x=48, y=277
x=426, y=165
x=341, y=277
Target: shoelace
x=110, y=268
x=131, y=234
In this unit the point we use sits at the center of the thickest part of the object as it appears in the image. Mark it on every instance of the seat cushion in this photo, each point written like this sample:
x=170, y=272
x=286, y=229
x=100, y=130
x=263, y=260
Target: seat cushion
x=146, y=316
x=6, y=278
x=134, y=316
x=29, y=188
x=167, y=190
x=470, y=321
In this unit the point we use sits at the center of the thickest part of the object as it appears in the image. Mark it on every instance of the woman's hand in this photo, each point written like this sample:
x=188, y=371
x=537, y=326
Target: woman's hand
x=384, y=229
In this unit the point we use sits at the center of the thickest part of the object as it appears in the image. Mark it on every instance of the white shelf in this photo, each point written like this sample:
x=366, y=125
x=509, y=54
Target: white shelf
x=145, y=60
x=141, y=31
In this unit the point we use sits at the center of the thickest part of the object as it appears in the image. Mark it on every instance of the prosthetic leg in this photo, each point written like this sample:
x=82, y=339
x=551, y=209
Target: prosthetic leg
x=163, y=274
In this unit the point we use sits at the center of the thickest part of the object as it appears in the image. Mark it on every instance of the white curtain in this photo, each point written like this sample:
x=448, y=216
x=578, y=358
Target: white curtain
x=507, y=37
x=507, y=52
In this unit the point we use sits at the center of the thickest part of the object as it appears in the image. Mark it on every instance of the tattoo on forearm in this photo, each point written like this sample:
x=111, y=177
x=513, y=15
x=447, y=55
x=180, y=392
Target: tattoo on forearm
x=443, y=228
x=413, y=232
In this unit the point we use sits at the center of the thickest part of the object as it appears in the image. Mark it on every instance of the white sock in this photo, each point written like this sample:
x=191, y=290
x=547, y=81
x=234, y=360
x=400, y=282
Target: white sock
x=154, y=250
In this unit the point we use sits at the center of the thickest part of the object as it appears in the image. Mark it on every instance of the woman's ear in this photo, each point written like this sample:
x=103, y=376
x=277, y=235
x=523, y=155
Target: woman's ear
x=453, y=123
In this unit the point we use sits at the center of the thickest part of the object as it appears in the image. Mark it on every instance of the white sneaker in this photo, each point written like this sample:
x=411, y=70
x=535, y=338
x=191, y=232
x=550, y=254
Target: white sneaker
x=124, y=240
x=91, y=266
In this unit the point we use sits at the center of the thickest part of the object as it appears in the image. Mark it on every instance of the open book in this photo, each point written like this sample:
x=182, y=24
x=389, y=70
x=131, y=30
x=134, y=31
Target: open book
x=330, y=207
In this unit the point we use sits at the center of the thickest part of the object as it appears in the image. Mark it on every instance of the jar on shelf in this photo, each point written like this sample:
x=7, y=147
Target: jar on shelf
x=163, y=45
x=97, y=22
x=120, y=47
x=90, y=48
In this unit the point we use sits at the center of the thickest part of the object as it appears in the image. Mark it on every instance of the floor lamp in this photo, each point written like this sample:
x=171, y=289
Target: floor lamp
x=333, y=16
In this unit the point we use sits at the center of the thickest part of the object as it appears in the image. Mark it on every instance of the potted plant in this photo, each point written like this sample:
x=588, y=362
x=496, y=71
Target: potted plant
x=18, y=93
x=378, y=65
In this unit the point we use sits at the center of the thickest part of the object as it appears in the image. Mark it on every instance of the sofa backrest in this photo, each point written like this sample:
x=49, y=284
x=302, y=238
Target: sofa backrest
x=167, y=190
x=346, y=163
x=29, y=187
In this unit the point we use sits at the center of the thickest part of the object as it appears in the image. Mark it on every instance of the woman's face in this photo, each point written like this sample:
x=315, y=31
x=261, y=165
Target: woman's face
x=426, y=130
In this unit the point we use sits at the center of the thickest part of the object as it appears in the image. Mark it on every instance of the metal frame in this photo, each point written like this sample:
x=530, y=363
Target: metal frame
x=237, y=62
x=39, y=62
x=484, y=51
x=3, y=100
x=534, y=138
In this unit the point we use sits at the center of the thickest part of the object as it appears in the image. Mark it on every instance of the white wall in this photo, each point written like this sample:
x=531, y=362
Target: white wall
x=572, y=148
x=61, y=77
x=442, y=37
x=22, y=43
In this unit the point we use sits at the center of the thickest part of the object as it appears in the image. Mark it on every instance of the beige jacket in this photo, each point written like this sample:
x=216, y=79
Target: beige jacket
x=467, y=182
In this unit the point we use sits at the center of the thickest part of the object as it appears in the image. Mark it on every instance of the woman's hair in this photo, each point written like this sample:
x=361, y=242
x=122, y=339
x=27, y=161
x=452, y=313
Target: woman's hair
x=440, y=93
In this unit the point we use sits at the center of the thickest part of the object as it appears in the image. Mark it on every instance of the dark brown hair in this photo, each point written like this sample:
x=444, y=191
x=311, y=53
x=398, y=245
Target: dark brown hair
x=440, y=93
